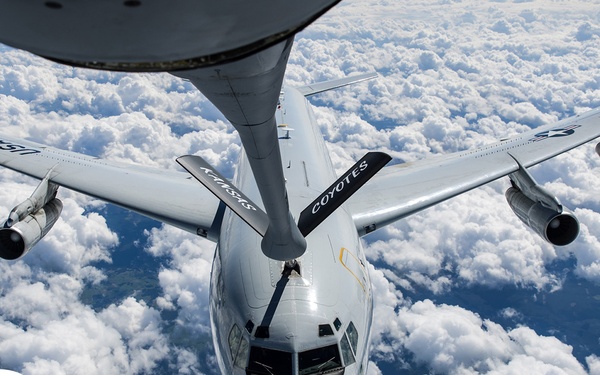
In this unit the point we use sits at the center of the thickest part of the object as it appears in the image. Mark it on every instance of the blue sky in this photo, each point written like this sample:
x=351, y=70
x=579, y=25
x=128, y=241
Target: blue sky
x=454, y=75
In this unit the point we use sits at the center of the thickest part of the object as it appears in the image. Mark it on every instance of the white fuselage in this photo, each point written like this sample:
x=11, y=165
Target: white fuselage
x=265, y=322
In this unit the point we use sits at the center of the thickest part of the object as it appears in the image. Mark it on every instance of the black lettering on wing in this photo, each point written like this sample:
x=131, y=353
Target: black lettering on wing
x=18, y=149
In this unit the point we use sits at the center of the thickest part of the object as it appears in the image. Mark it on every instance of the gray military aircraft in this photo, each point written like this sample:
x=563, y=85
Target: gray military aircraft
x=290, y=292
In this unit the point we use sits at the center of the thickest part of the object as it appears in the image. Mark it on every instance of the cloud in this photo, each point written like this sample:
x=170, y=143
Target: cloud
x=450, y=339
x=45, y=329
x=40, y=299
x=458, y=244
x=41, y=293
x=452, y=76
x=593, y=363
x=485, y=85
x=185, y=282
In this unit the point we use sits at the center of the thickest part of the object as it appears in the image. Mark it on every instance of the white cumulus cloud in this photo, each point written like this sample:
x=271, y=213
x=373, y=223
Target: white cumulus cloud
x=453, y=75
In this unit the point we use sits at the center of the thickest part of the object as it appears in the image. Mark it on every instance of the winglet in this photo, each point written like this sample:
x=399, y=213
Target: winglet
x=316, y=88
x=226, y=192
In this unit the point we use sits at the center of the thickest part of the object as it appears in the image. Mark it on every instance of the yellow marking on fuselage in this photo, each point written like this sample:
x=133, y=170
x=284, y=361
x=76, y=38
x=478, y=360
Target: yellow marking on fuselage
x=342, y=250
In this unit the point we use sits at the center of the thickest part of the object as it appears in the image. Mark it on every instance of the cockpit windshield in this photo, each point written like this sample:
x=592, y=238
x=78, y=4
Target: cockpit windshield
x=269, y=362
x=320, y=360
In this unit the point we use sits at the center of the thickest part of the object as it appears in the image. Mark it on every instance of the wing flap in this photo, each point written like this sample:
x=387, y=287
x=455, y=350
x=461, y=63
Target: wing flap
x=170, y=197
x=403, y=189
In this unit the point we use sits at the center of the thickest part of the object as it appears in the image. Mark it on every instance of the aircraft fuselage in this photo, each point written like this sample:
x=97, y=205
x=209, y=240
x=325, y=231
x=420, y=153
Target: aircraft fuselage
x=301, y=319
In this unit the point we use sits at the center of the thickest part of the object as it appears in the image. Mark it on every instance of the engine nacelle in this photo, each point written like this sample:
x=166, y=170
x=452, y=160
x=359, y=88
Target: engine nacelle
x=558, y=228
x=598, y=149
x=17, y=240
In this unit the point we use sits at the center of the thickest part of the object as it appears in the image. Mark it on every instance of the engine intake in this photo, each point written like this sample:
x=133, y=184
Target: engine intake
x=18, y=239
x=558, y=228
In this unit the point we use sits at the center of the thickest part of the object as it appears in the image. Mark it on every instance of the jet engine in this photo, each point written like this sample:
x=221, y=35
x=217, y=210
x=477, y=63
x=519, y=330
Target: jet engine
x=18, y=239
x=598, y=149
x=557, y=227
x=540, y=210
x=30, y=220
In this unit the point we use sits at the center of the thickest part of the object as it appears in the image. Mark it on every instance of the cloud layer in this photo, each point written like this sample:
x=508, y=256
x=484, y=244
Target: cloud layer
x=453, y=76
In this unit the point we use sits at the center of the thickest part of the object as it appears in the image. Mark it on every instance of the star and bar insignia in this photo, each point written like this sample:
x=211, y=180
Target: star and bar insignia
x=552, y=133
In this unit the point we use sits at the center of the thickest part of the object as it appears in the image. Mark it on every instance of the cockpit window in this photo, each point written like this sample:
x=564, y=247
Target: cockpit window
x=265, y=361
x=352, y=335
x=316, y=361
x=325, y=330
x=337, y=323
x=346, y=351
x=238, y=346
x=350, y=338
x=234, y=339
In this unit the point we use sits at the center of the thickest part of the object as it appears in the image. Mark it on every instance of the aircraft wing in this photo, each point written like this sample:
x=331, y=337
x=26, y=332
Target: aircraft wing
x=171, y=197
x=401, y=190
x=319, y=87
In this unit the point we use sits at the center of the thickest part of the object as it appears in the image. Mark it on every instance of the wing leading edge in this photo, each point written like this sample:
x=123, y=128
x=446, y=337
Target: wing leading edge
x=170, y=197
x=404, y=189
